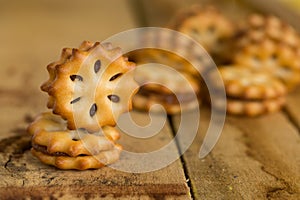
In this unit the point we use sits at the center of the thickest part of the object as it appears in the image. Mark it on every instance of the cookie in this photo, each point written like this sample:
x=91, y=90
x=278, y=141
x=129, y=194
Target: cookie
x=79, y=162
x=164, y=57
x=254, y=108
x=173, y=90
x=168, y=103
x=207, y=26
x=49, y=131
x=84, y=86
x=249, y=84
x=260, y=27
x=279, y=60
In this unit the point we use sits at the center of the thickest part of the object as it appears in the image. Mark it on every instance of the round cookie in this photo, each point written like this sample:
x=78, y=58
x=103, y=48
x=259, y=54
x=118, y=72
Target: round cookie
x=55, y=145
x=260, y=27
x=246, y=83
x=165, y=86
x=279, y=60
x=50, y=131
x=207, y=26
x=79, y=162
x=84, y=86
x=254, y=108
x=160, y=56
x=147, y=103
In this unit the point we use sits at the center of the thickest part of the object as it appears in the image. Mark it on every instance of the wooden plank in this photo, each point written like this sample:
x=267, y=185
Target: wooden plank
x=32, y=36
x=33, y=33
x=253, y=159
x=293, y=108
x=23, y=175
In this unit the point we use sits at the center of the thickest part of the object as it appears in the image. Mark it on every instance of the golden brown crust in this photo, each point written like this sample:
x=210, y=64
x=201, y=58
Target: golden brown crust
x=79, y=162
x=165, y=58
x=206, y=25
x=254, y=108
x=167, y=87
x=144, y=103
x=82, y=88
x=246, y=83
x=260, y=27
x=277, y=59
x=50, y=131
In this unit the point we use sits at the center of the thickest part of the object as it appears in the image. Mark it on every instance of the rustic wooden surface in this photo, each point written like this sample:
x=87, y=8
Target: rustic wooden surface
x=254, y=158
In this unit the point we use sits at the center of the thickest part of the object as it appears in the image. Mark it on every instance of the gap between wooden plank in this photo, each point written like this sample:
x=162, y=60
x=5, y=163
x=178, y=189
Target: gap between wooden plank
x=254, y=158
x=24, y=175
x=183, y=163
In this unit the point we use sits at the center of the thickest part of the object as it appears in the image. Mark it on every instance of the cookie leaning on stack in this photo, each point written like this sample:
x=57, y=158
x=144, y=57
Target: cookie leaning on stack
x=84, y=89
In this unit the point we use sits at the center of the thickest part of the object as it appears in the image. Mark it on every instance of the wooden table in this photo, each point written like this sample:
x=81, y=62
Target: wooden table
x=255, y=158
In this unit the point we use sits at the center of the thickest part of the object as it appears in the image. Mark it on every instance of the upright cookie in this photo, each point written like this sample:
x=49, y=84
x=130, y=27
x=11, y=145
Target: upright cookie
x=84, y=86
x=260, y=27
x=249, y=84
x=207, y=26
x=280, y=60
x=167, y=58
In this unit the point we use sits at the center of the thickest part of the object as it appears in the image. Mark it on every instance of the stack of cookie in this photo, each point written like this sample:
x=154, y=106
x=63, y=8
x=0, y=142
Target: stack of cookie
x=86, y=95
x=266, y=63
x=250, y=92
x=268, y=44
x=259, y=61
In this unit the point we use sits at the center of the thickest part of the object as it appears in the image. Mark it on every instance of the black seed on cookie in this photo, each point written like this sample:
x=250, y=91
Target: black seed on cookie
x=75, y=100
x=211, y=29
x=97, y=66
x=115, y=76
x=93, y=110
x=274, y=56
x=113, y=98
x=74, y=77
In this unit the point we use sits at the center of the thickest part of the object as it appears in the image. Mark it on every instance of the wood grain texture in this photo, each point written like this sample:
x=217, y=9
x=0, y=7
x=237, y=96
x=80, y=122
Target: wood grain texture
x=22, y=175
x=253, y=159
x=32, y=35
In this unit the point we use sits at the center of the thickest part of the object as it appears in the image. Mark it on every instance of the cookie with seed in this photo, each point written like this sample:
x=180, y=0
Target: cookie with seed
x=174, y=91
x=255, y=107
x=85, y=86
x=259, y=27
x=249, y=84
x=50, y=131
x=279, y=60
x=54, y=144
x=80, y=162
x=208, y=26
